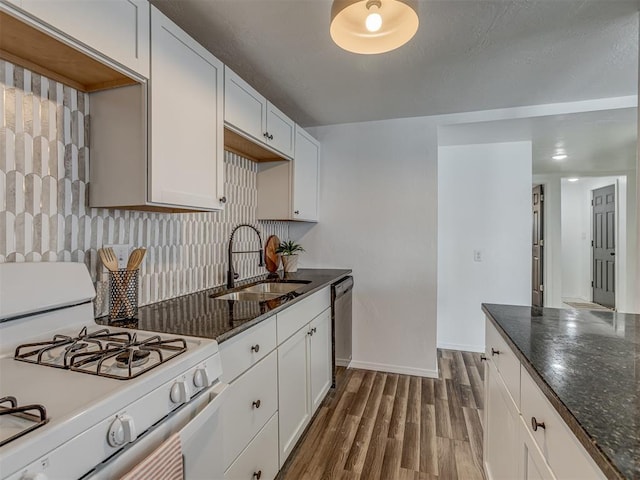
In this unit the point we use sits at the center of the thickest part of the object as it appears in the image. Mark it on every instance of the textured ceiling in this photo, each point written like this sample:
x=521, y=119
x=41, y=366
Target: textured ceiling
x=467, y=55
x=602, y=142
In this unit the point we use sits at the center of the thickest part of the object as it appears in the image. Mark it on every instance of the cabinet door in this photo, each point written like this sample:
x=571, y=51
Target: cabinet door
x=534, y=466
x=186, y=157
x=281, y=131
x=305, y=178
x=260, y=458
x=501, y=450
x=293, y=391
x=244, y=108
x=320, y=357
x=118, y=29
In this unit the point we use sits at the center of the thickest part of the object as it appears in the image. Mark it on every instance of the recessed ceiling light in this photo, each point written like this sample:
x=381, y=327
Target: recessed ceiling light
x=572, y=179
x=560, y=156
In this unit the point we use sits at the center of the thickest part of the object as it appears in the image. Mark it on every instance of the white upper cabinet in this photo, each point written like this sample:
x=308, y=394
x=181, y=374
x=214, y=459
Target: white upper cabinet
x=244, y=108
x=159, y=145
x=251, y=114
x=305, y=178
x=118, y=29
x=280, y=131
x=186, y=119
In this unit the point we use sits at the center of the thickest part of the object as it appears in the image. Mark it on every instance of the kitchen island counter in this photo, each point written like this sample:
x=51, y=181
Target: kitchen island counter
x=199, y=315
x=587, y=363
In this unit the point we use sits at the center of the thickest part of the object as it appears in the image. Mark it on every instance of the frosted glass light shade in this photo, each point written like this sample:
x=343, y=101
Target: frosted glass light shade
x=349, y=31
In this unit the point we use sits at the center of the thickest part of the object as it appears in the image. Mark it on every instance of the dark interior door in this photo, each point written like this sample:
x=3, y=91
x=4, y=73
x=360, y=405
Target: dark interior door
x=604, y=246
x=537, y=292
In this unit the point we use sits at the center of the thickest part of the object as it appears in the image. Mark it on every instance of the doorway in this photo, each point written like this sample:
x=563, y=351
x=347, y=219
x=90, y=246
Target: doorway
x=603, y=260
x=537, y=253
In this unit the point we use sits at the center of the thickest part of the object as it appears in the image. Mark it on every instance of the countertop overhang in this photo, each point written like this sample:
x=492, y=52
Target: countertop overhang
x=199, y=315
x=587, y=363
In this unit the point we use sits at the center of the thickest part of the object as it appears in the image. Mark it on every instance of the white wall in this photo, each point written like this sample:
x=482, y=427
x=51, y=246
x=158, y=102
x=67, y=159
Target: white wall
x=484, y=205
x=378, y=216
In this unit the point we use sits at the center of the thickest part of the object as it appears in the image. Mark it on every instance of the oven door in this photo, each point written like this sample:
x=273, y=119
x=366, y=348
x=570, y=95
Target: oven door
x=200, y=431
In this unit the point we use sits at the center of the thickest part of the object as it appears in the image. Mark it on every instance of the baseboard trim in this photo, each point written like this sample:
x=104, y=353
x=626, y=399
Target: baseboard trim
x=343, y=362
x=383, y=367
x=462, y=348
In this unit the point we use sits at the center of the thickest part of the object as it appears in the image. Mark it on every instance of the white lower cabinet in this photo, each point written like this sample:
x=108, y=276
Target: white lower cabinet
x=251, y=402
x=320, y=358
x=513, y=403
x=293, y=390
x=534, y=466
x=260, y=458
x=279, y=373
x=501, y=428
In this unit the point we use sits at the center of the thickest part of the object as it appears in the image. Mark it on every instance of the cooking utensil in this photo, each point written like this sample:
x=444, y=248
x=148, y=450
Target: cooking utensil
x=109, y=259
x=272, y=259
x=134, y=262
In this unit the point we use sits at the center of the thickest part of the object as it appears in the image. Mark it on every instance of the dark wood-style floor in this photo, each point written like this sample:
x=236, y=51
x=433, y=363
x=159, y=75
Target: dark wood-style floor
x=385, y=426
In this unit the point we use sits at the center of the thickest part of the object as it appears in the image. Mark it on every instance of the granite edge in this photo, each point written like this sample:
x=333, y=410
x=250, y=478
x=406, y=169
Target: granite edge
x=587, y=441
x=251, y=323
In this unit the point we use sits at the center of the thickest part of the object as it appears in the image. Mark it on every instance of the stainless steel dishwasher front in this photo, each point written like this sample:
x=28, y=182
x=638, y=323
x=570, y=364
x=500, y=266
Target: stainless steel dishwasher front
x=341, y=309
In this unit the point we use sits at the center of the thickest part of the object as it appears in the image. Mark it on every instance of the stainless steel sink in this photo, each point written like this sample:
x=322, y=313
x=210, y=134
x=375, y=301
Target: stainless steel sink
x=248, y=296
x=261, y=292
x=272, y=287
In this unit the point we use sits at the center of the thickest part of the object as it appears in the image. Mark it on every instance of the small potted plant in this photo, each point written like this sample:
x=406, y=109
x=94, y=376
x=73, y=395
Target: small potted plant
x=289, y=252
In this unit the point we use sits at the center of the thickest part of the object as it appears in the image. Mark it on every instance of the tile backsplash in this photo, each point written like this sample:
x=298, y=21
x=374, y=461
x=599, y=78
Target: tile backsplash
x=44, y=212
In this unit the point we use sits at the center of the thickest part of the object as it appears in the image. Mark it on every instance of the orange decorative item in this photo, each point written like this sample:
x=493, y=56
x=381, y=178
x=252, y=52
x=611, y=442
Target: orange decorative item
x=272, y=259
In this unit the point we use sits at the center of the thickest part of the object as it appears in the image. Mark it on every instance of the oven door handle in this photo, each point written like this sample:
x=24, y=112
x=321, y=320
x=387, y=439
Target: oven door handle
x=216, y=393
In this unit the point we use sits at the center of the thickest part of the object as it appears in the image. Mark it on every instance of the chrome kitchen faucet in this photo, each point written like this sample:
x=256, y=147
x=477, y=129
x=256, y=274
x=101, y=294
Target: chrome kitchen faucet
x=232, y=276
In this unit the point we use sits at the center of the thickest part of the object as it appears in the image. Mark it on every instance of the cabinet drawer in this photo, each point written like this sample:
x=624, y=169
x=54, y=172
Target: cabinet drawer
x=242, y=415
x=260, y=458
x=297, y=316
x=504, y=359
x=566, y=457
x=241, y=352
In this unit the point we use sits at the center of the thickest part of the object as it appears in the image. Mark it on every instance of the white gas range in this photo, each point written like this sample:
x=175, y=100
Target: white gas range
x=98, y=401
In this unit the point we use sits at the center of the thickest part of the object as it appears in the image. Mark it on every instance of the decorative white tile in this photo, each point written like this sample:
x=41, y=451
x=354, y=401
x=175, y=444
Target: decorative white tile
x=44, y=215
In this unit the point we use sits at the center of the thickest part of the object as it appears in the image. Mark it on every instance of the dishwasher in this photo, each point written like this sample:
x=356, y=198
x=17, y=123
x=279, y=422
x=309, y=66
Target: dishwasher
x=341, y=306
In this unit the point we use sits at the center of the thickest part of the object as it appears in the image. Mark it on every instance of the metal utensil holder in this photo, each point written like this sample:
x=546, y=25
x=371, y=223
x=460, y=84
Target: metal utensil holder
x=123, y=294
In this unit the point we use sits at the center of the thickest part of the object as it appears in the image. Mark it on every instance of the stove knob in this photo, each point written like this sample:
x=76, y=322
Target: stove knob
x=121, y=431
x=201, y=378
x=179, y=392
x=33, y=476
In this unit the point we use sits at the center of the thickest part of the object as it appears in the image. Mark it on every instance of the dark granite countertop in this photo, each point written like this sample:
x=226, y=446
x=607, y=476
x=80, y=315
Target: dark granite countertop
x=587, y=363
x=199, y=315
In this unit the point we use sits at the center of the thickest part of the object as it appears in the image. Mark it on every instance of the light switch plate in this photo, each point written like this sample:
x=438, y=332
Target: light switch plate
x=122, y=253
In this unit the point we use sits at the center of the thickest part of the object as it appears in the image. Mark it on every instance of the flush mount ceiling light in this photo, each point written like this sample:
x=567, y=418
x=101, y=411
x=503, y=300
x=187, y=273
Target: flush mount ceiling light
x=560, y=156
x=572, y=179
x=373, y=26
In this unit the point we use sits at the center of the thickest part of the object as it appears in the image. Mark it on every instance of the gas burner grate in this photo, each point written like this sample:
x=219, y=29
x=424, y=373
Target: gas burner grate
x=130, y=360
x=22, y=422
x=58, y=351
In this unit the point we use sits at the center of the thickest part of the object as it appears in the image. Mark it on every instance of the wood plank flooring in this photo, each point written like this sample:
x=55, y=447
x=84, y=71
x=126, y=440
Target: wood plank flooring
x=385, y=426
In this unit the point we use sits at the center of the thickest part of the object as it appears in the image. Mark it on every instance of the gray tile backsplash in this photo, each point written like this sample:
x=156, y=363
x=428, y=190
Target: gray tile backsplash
x=44, y=212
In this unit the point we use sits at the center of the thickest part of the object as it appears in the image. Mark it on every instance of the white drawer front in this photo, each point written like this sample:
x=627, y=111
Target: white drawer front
x=241, y=352
x=260, y=458
x=297, y=316
x=504, y=359
x=242, y=415
x=566, y=457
